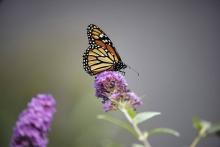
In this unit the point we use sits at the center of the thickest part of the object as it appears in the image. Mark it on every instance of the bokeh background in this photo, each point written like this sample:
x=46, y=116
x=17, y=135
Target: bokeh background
x=174, y=45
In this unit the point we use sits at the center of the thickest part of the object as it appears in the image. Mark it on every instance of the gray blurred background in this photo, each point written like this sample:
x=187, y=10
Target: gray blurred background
x=174, y=45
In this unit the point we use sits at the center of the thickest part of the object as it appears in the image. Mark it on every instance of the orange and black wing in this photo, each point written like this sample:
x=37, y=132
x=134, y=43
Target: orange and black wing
x=98, y=38
x=97, y=59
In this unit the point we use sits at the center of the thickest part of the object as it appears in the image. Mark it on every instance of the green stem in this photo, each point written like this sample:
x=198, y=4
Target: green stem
x=196, y=141
x=200, y=135
x=141, y=136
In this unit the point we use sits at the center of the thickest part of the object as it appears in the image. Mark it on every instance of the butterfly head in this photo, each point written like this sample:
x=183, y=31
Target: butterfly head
x=120, y=65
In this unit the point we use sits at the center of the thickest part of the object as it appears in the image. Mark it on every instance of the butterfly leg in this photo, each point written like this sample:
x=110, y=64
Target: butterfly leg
x=123, y=72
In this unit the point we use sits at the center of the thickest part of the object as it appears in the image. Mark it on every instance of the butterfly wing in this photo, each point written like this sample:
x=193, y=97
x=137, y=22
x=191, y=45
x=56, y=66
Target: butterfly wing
x=97, y=37
x=97, y=59
x=101, y=54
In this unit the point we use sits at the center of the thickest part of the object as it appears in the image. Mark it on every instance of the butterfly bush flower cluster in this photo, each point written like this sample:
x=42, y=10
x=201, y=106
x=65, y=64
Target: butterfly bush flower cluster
x=34, y=122
x=112, y=88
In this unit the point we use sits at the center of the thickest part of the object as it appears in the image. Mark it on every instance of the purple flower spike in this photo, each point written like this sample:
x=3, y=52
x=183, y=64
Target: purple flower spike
x=109, y=82
x=34, y=122
x=112, y=88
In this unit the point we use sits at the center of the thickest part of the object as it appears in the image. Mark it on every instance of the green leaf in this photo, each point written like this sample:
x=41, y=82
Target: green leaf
x=131, y=112
x=119, y=123
x=143, y=116
x=137, y=145
x=214, y=128
x=159, y=131
x=197, y=123
x=201, y=125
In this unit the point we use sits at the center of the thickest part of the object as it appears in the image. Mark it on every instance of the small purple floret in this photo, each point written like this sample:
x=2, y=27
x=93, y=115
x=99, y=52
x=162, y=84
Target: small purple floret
x=34, y=122
x=133, y=100
x=130, y=98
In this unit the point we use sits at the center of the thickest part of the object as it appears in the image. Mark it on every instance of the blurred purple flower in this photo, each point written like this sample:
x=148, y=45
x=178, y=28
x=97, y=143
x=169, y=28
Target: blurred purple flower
x=112, y=88
x=34, y=122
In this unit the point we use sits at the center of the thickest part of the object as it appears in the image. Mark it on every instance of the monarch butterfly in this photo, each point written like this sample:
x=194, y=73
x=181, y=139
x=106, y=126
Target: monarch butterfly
x=101, y=55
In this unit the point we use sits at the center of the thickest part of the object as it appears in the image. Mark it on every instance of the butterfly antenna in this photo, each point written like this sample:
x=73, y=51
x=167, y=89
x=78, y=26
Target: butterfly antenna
x=133, y=70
